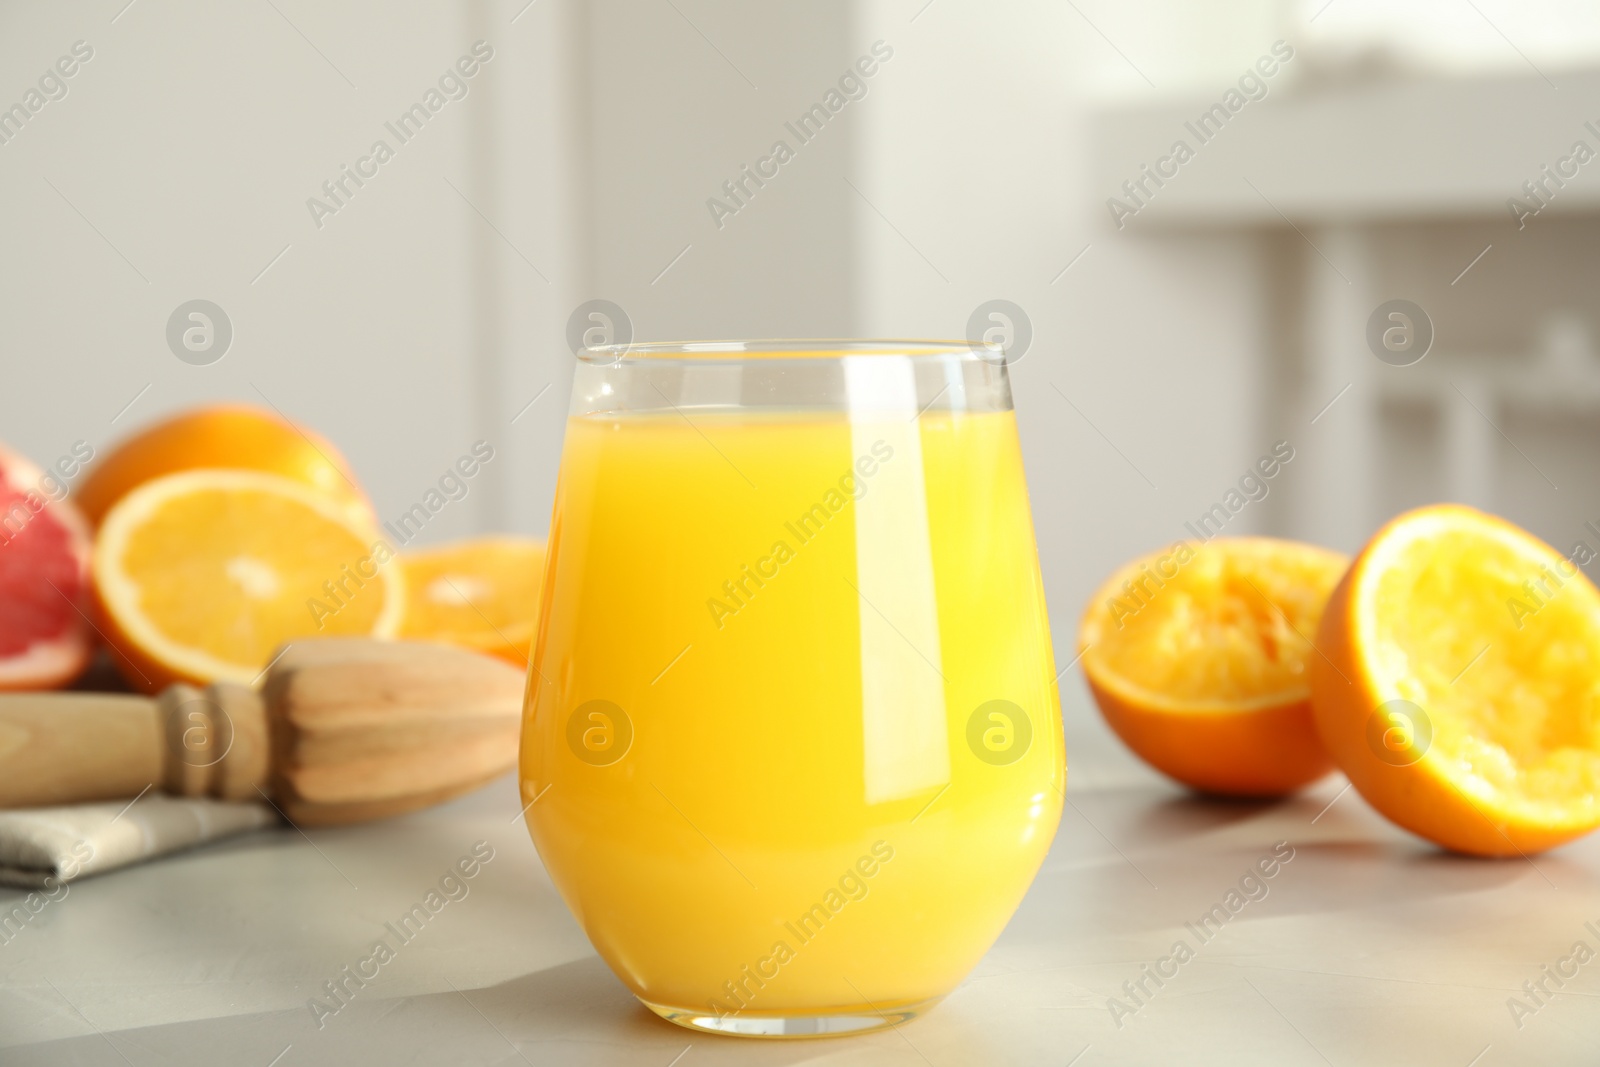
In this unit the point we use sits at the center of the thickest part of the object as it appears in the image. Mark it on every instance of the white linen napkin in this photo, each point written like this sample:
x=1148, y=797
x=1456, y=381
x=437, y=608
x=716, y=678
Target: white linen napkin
x=43, y=847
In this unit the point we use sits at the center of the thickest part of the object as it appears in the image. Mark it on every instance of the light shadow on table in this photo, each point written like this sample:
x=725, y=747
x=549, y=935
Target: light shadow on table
x=575, y=1013
x=1183, y=816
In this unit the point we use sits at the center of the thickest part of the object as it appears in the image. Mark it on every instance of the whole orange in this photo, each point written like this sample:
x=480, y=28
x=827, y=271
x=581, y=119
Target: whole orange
x=236, y=436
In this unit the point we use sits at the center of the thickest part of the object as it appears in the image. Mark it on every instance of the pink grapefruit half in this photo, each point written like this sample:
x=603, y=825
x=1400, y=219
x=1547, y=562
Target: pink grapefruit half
x=45, y=639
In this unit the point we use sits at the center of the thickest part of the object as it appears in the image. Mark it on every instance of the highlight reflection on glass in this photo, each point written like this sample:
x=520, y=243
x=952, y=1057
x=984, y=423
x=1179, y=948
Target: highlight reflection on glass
x=792, y=727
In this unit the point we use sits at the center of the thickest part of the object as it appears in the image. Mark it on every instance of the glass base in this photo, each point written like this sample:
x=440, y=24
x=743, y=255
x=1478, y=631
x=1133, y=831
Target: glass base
x=842, y=1022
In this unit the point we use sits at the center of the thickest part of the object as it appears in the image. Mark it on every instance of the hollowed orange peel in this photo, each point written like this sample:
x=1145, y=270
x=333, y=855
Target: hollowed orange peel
x=1459, y=686
x=1198, y=655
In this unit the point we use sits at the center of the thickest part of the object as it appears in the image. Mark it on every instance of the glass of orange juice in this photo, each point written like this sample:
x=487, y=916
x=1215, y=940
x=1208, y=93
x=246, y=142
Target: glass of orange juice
x=792, y=745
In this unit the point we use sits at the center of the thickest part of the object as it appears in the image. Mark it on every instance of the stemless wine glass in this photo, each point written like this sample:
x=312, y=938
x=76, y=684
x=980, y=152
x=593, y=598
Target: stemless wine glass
x=792, y=745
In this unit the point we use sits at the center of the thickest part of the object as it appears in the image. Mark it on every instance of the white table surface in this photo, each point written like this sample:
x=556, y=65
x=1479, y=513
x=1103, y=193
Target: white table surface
x=1370, y=948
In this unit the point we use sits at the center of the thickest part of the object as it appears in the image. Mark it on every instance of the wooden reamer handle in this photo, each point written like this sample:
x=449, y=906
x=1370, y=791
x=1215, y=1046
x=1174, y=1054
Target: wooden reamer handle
x=70, y=748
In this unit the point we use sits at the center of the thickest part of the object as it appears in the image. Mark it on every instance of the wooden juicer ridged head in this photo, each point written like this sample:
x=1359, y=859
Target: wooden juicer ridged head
x=364, y=729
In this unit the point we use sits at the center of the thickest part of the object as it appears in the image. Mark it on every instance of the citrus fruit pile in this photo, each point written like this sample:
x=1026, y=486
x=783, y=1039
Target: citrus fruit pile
x=1451, y=671
x=218, y=536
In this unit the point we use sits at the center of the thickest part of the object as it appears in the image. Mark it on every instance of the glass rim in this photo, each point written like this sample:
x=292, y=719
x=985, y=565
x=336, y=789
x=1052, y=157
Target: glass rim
x=820, y=349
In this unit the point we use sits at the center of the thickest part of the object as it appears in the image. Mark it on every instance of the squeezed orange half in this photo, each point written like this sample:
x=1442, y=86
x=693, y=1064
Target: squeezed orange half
x=1461, y=686
x=1199, y=656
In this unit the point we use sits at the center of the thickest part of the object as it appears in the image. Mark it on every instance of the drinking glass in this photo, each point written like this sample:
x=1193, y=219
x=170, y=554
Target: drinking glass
x=792, y=745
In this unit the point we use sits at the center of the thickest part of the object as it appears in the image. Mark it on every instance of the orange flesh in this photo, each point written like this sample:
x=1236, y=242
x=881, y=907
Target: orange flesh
x=208, y=572
x=1229, y=629
x=1508, y=675
x=481, y=594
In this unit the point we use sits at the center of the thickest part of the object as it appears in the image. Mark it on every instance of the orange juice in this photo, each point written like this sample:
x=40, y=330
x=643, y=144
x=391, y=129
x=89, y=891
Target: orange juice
x=793, y=731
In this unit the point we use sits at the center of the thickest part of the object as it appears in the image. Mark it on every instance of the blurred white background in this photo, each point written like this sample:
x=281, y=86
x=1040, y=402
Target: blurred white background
x=1166, y=355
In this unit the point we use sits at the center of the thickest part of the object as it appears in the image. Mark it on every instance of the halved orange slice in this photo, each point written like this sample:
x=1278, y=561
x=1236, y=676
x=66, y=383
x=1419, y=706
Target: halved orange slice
x=202, y=575
x=1461, y=690
x=481, y=594
x=1197, y=657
